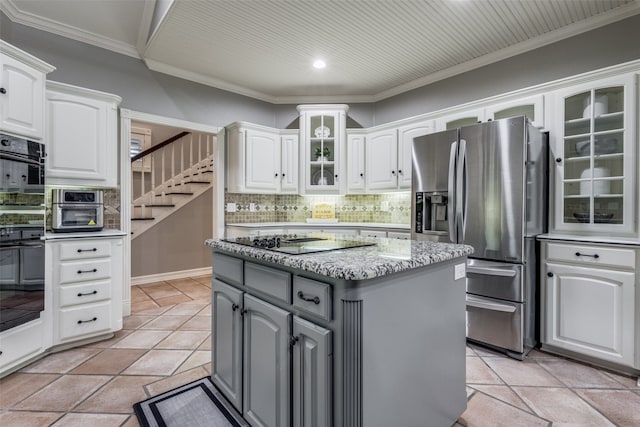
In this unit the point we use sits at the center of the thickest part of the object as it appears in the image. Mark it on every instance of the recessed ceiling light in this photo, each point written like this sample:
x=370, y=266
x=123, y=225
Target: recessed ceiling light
x=319, y=64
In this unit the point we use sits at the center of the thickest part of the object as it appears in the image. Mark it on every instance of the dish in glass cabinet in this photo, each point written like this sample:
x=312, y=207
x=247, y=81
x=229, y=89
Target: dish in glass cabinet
x=322, y=132
x=598, y=218
x=322, y=179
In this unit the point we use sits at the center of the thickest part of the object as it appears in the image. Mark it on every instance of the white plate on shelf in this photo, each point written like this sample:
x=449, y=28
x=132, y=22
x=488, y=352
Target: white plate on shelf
x=322, y=132
x=316, y=179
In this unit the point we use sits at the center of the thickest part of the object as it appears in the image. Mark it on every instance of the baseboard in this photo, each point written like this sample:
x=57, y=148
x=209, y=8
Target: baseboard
x=141, y=280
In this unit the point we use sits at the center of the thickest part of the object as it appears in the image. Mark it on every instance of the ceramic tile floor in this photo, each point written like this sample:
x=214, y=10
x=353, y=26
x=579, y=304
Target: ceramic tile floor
x=166, y=342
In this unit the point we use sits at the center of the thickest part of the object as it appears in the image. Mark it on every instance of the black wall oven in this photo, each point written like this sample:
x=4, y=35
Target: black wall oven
x=22, y=226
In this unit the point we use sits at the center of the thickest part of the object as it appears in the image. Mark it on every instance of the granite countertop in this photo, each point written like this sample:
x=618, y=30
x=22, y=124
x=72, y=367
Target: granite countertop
x=386, y=257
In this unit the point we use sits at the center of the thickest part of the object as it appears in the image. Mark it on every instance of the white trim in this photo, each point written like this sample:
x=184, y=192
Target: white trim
x=141, y=280
x=169, y=121
x=125, y=208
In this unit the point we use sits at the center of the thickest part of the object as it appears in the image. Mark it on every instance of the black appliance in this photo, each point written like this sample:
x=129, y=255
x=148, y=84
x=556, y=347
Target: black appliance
x=22, y=229
x=296, y=244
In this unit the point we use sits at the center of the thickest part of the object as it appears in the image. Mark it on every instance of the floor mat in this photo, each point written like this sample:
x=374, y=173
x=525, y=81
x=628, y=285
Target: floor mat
x=191, y=405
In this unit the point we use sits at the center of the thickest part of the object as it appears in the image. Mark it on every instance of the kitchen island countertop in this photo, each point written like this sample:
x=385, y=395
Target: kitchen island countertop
x=386, y=257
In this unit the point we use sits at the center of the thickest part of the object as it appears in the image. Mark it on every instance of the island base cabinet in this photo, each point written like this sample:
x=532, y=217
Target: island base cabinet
x=266, y=381
x=590, y=311
x=312, y=373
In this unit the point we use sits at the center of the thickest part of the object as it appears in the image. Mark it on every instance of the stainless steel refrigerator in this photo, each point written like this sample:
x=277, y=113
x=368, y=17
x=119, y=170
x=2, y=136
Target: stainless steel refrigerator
x=485, y=185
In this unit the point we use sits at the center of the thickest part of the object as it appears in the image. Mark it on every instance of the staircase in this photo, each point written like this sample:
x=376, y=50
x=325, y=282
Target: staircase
x=189, y=165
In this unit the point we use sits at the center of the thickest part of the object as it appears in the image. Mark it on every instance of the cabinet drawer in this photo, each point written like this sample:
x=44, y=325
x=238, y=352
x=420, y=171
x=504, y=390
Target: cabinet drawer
x=82, y=250
x=227, y=268
x=592, y=255
x=268, y=280
x=85, y=320
x=312, y=297
x=81, y=271
x=83, y=293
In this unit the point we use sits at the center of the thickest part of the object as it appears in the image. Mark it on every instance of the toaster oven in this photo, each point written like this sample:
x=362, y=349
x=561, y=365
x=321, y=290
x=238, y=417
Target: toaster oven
x=77, y=210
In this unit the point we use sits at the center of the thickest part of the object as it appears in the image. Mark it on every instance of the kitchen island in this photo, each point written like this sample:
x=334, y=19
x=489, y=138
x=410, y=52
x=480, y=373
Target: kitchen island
x=366, y=336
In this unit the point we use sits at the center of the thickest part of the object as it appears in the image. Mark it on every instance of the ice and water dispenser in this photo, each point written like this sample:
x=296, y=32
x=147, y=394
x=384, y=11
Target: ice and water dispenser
x=430, y=215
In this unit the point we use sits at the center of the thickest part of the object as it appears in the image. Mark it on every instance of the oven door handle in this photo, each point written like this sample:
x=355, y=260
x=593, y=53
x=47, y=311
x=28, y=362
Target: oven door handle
x=494, y=306
x=491, y=271
x=17, y=158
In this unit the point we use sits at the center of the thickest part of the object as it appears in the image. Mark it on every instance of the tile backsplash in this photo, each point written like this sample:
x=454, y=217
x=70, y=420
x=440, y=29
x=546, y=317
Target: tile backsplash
x=391, y=208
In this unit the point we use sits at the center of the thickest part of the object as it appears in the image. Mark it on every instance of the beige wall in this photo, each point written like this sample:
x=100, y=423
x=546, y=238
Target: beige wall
x=177, y=243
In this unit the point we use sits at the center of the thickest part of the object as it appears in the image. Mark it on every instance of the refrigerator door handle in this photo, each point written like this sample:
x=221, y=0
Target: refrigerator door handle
x=491, y=271
x=451, y=188
x=494, y=306
x=461, y=190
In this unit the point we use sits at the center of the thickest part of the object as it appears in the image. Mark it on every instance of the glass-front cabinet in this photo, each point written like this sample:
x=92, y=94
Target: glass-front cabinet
x=322, y=132
x=594, y=155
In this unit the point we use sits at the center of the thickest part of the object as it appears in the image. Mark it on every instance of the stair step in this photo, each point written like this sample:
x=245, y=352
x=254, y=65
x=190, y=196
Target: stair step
x=159, y=205
x=175, y=192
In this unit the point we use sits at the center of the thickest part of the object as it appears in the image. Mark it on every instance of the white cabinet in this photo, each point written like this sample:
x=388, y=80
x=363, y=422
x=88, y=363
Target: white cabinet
x=82, y=136
x=86, y=275
x=355, y=160
x=261, y=159
x=589, y=300
x=458, y=119
x=322, y=135
x=23, y=343
x=531, y=107
x=388, y=155
x=593, y=143
x=22, y=88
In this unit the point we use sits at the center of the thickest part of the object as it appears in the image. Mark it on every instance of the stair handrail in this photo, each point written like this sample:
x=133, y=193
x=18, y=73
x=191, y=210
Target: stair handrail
x=159, y=146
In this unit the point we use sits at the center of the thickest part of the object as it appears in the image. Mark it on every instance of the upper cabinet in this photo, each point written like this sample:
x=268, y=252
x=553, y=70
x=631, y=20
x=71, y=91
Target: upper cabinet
x=82, y=136
x=463, y=118
x=593, y=145
x=261, y=159
x=532, y=107
x=388, y=155
x=322, y=134
x=355, y=160
x=22, y=89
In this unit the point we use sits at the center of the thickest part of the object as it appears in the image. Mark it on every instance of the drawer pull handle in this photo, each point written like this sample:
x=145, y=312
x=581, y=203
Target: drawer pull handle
x=87, y=250
x=87, y=321
x=596, y=256
x=88, y=271
x=80, y=294
x=315, y=300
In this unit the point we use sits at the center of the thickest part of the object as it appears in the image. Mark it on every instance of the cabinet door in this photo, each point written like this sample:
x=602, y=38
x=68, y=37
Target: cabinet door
x=81, y=148
x=355, y=163
x=22, y=104
x=382, y=160
x=405, y=147
x=590, y=311
x=263, y=160
x=312, y=375
x=289, y=164
x=267, y=366
x=456, y=120
x=594, y=150
x=226, y=354
x=531, y=107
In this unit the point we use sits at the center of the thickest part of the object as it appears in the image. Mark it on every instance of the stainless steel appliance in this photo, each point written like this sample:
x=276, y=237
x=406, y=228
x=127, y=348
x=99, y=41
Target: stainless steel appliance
x=295, y=244
x=77, y=210
x=485, y=185
x=22, y=216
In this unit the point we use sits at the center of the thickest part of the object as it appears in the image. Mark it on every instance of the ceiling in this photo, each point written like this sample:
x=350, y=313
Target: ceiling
x=265, y=48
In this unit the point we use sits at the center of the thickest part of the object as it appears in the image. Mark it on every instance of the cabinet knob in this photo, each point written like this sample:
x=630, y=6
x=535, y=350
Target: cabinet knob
x=244, y=311
x=276, y=175
x=400, y=171
x=361, y=175
x=283, y=175
x=234, y=307
x=558, y=160
x=293, y=340
x=393, y=172
x=3, y=90
x=336, y=175
x=549, y=274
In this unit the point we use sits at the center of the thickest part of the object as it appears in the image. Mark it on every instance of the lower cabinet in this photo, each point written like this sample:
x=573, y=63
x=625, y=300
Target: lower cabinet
x=260, y=350
x=589, y=301
x=86, y=276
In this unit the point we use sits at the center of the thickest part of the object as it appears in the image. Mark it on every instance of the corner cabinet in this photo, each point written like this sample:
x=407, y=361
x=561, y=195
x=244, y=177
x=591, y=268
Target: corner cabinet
x=322, y=135
x=261, y=159
x=594, y=152
x=22, y=89
x=82, y=136
x=590, y=302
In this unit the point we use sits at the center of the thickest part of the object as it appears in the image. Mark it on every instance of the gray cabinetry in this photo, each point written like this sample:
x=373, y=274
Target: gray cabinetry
x=253, y=347
x=312, y=370
x=266, y=383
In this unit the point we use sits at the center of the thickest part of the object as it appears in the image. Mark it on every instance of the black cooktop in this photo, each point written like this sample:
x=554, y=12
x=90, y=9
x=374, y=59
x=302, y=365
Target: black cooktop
x=296, y=244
